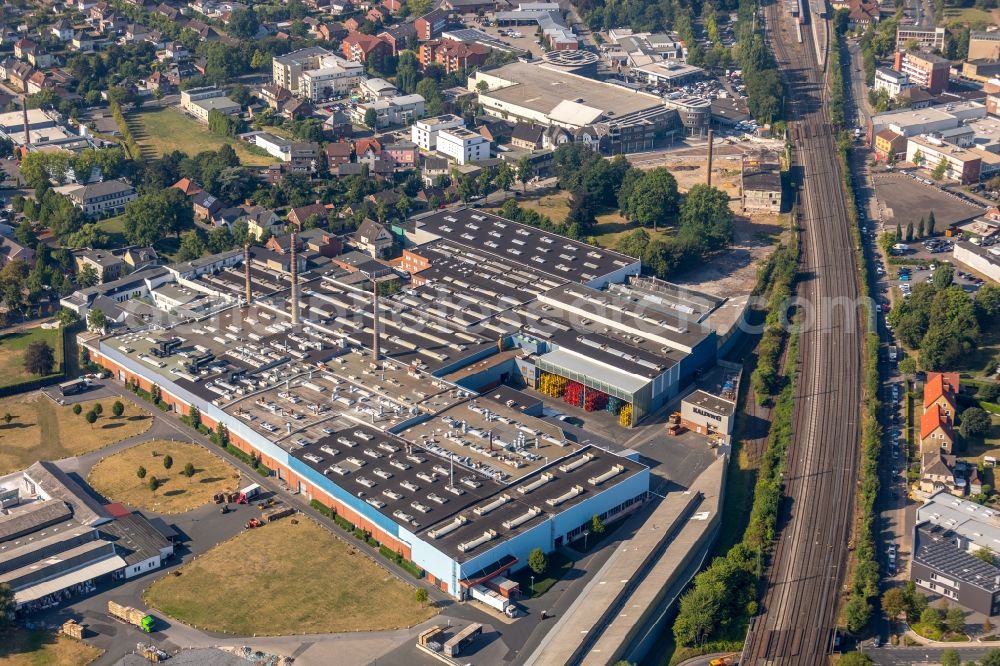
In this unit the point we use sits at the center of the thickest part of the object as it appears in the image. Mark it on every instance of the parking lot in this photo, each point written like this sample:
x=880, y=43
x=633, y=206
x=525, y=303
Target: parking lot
x=904, y=198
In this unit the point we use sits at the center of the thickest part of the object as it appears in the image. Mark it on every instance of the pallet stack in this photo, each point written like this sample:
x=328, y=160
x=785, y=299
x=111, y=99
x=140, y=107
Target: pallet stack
x=574, y=394
x=552, y=385
x=614, y=405
x=595, y=400
x=625, y=416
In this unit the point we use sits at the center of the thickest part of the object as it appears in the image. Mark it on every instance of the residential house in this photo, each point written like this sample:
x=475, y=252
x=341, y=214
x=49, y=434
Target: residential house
x=528, y=137
x=275, y=96
x=107, y=265
x=372, y=238
x=261, y=221
x=102, y=199
x=165, y=10
x=25, y=49
x=205, y=206
x=297, y=109
x=12, y=250
x=82, y=42
x=140, y=257
x=368, y=149
x=377, y=15
x=937, y=472
x=935, y=431
x=339, y=152
x=402, y=153
x=890, y=146
x=311, y=242
x=338, y=125
x=298, y=216
x=940, y=389
x=62, y=30
x=18, y=74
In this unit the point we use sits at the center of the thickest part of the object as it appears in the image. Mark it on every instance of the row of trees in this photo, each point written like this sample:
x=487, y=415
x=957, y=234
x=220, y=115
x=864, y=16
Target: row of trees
x=943, y=321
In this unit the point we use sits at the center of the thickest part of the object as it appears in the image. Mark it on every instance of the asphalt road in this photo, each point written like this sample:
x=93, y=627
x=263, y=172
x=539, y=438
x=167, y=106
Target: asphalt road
x=797, y=623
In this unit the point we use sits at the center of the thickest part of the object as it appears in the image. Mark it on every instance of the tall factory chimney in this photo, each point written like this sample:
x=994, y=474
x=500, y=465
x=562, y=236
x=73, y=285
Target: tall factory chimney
x=246, y=272
x=24, y=111
x=295, y=280
x=711, y=148
x=375, y=327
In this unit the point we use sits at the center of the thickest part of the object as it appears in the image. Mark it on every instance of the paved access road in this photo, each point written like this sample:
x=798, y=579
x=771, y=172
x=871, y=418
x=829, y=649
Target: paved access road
x=797, y=623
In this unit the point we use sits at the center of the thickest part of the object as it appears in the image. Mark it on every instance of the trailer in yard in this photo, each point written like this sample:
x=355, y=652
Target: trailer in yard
x=248, y=493
x=132, y=616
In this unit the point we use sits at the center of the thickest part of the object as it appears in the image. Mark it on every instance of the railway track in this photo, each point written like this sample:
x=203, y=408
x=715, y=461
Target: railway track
x=798, y=616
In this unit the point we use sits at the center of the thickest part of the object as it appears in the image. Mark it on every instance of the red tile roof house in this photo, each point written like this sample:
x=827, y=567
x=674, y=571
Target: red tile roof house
x=188, y=187
x=339, y=152
x=935, y=431
x=940, y=389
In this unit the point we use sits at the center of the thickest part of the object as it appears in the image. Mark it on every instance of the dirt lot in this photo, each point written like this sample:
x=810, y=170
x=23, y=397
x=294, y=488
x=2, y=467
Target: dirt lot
x=734, y=273
x=904, y=200
x=325, y=587
x=116, y=477
x=42, y=430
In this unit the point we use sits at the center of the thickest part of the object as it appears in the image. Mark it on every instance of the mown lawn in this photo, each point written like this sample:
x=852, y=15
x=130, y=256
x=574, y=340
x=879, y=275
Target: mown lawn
x=12, y=350
x=42, y=430
x=165, y=130
x=116, y=477
x=287, y=578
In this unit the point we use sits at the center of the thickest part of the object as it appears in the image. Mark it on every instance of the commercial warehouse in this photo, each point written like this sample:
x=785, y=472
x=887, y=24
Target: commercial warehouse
x=57, y=541
x=388, y=429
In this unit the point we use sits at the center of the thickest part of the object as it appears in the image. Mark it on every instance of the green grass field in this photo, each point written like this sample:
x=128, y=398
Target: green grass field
x=12, y=350
x=977, y=19
x=265, y=582
x=165, y=130
x=115, y=228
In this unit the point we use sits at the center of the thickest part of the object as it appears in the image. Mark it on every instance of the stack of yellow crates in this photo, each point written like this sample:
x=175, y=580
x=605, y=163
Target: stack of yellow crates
x=625, y=416
x=552, y=385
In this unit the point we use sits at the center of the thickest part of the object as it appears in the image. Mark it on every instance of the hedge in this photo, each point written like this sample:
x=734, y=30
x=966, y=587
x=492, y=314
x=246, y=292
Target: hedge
x=864, y=576
x=361, y=535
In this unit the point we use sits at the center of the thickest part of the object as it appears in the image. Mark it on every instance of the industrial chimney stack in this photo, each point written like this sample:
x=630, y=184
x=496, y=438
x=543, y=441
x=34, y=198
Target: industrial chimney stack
x=246, y=271
x=24, y=111
x=295, y=280
x=711, y=148
x=375, y=328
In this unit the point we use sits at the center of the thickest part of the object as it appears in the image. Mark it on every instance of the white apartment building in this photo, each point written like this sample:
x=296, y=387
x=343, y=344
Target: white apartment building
x=424, y=132
x=335, y=78
x=891, y=81
x=398, y=110
x=928, y=38
x=316, y=73
x=463, y=145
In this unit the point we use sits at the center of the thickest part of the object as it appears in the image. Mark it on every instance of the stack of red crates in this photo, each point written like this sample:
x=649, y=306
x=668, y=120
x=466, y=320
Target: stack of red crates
x=574, y=394
x=595, y=400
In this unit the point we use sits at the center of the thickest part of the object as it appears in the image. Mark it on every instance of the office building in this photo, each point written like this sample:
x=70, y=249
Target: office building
x=924, y=70
x=984, y=45
x=927, y=38
x=463, y=145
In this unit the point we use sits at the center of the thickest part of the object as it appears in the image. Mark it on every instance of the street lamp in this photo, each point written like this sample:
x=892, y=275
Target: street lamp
x=586, y=533
x=532, y=586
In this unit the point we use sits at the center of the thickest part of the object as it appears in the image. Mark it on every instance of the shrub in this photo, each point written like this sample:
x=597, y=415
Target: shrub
x=421, y=595
x=537, y=560
x=118, y=408
x=168, y=462
x=98, y=408
x=77, y=409
x=188, y=470
x=154, y=483
x=91, y=417
x=141, y=472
